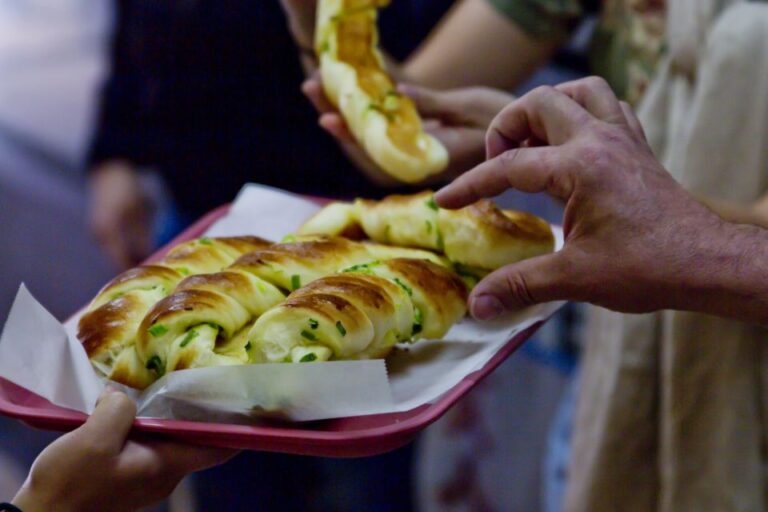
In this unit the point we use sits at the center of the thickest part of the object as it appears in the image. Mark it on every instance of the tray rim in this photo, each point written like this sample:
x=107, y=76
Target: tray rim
x=306, y=441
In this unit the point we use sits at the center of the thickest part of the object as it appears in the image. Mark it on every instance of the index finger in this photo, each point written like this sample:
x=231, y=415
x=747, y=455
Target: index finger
x=545, y=113
x=597, y=97
x=526, y=169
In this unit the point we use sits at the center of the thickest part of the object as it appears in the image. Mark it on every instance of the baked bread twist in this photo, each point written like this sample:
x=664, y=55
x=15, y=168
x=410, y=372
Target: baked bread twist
x=206, y=320
x=384, y=122
x=108, y=328
x=478, y=238
x=361, y=313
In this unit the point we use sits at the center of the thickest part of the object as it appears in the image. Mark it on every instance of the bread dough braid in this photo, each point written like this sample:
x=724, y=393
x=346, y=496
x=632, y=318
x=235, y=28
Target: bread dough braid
x=384, y=122
x=478, y=238
x=361, y=313
x=108, y=328
x=204, y=322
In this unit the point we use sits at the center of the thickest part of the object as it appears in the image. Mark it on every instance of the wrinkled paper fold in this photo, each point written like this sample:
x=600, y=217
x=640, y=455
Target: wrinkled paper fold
x=43, y=356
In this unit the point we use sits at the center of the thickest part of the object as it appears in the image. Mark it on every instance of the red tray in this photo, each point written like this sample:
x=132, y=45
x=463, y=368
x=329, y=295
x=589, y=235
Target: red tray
x=343, y=437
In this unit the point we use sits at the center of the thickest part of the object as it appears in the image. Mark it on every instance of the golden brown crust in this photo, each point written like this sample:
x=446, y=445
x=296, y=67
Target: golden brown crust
x=181, y=301
x=520, y=225
x=329, y=306
x=334, y=219
x=483, y=237
x=142, y=277
x=306, y=250
x=244, y=244
x=227, y=282
x=142, y=272
x=433, y=279
x=295, y=264
x=350, y=285
x=112, y=321
x=116, y=319
x=480, y=236
x=130, y=370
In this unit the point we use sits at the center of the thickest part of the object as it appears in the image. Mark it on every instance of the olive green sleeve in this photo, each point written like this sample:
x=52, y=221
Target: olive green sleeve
x=542, y=19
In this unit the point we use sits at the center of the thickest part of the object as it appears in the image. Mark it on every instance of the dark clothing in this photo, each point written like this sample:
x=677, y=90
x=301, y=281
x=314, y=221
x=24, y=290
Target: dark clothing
x=207, y=92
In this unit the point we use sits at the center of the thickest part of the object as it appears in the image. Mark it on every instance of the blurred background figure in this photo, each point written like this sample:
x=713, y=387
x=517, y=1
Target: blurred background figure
x=53, y=57
x=671, y=413
x=683, y=63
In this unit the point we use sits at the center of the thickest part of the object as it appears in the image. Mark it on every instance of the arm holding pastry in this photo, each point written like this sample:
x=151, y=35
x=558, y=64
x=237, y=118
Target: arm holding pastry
x=469, y=38
x=458, y=119
x=361, y=131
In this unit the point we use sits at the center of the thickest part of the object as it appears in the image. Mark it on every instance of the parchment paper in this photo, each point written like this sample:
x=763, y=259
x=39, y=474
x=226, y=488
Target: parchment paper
x=42, y=355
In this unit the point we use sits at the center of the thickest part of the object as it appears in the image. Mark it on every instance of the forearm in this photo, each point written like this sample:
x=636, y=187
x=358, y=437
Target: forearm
x=473, y=45
x=29, y=501
x=727, y=275
x=476, y=45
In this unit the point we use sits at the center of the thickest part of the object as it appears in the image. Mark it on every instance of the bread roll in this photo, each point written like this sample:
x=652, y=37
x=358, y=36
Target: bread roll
x=294, y=264
x=349, y=300
x=361, y=313
x=234, y=298
x=438, y=295
x=337, y=317
x=484, y=237
x=384, y=122
x=108, y=329
x=335, y=219
x=408, y=220
x=200, y=324
x=476, y=239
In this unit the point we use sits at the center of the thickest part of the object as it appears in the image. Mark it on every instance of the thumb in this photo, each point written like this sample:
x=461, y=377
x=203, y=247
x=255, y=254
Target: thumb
x=516, y=286
x=111, y=420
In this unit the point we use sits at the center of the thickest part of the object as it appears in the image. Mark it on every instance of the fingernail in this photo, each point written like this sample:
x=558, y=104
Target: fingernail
x=486, y=307
x=439, y=196
x=108, y=390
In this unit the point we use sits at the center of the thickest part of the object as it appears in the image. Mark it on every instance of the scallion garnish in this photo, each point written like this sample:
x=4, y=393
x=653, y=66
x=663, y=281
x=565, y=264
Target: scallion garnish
x=308, y=335
x=188, y=338
x=308, y=358
x=157, y=330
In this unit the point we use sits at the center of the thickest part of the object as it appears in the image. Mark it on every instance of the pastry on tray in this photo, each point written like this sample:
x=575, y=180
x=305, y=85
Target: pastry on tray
x=316, y=296
x=477, y=239
x=107, y=330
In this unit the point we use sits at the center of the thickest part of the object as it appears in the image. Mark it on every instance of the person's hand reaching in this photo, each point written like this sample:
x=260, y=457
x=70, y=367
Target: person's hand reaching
x=635, y=241
x=95, y=468
x=458, y=119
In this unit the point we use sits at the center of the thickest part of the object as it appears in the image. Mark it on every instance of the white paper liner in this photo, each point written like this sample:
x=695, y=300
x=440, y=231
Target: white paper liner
x=43, y=356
